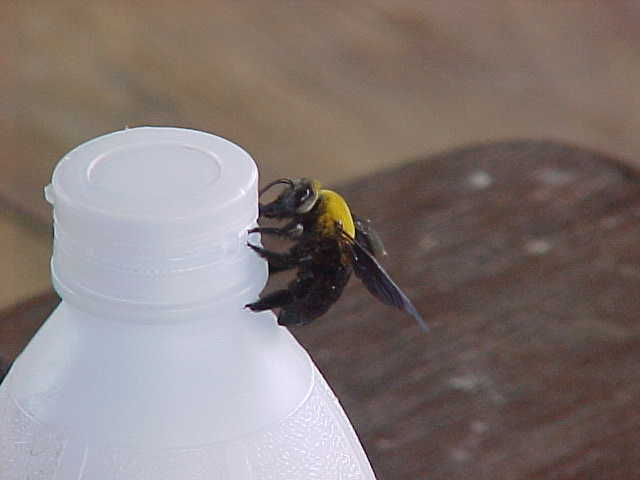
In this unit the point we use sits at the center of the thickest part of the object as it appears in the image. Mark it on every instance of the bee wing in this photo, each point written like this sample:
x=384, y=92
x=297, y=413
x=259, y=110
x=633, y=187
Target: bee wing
x=378, y=281
x=367, y=236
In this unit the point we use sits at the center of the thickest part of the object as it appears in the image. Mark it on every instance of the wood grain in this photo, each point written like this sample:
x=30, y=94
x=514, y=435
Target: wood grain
x=524, y=258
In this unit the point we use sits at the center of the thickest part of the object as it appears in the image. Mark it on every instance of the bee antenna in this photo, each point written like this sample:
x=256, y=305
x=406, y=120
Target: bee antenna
x=287, y=181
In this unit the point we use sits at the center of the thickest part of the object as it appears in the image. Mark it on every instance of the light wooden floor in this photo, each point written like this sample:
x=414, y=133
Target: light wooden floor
x=326, y=89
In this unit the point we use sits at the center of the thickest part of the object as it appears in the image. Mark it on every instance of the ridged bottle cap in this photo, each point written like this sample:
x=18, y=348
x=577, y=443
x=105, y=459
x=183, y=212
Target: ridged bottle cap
x=154, y=216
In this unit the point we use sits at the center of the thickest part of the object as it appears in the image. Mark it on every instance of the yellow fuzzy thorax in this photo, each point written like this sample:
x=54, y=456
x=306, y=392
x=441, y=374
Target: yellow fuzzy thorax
x=335, y=210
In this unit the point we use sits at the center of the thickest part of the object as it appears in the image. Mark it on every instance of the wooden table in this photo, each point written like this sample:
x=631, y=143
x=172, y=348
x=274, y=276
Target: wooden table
x=525, y=259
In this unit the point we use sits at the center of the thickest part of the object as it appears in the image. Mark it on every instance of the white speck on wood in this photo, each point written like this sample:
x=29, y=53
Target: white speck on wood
x=609, y=222
x=537, y=246
x=466, y=382
x=480, y=180
x=471, y=383
x=554, y=177
x=479, y=427
x=427, y=242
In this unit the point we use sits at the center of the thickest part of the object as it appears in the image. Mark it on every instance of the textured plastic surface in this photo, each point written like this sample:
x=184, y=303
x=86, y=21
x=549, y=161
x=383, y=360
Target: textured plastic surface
x=150, y=368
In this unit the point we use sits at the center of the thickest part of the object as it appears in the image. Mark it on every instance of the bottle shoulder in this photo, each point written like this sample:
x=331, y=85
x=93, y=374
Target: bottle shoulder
x=108, y=377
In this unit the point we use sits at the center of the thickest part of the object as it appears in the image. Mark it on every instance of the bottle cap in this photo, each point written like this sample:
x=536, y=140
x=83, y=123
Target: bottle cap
x=153, y=216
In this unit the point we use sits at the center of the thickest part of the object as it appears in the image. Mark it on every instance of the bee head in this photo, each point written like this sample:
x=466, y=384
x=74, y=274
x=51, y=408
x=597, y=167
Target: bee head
x=298, y=198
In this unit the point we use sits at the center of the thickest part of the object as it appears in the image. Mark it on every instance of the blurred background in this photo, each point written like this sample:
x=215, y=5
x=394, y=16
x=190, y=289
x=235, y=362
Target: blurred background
x=340, y=91
x=334, y=90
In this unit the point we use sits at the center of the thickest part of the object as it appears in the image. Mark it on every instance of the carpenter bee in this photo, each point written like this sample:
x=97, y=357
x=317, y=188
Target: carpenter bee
x=329, y=244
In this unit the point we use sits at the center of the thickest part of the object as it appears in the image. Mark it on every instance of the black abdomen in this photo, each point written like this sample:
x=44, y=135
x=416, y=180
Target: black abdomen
x=318, y=284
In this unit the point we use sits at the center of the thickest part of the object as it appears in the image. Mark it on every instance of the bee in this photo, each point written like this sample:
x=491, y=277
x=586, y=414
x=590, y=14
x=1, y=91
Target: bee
x=329, y=243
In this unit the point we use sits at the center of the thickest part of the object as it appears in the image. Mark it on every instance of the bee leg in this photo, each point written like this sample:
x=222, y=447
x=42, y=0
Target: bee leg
x=279, y=298
x=277, y=261
x=289, y=317
x=277, y=269
x=289, y=231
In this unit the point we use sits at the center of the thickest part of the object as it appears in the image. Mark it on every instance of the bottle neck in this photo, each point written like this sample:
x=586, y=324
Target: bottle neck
x=150, y=285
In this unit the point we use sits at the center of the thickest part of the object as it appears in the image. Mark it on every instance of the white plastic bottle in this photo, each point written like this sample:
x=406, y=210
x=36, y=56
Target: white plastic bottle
x=150, y=368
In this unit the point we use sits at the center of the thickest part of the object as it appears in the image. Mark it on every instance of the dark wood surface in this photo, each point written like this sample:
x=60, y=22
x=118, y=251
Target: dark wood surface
x=525, y=259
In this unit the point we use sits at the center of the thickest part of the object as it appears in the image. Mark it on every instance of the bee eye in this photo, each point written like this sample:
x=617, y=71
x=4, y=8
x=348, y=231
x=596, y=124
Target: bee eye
x=302, y=195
